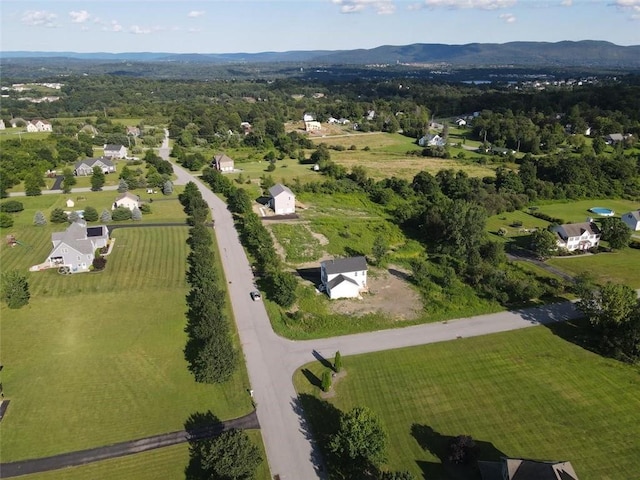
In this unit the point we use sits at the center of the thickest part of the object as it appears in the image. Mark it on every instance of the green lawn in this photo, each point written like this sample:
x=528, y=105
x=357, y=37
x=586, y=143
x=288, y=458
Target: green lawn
x=621, y=266
x=509, y=221
x=578, y=211
x=526, y=393
x=97, y=358
x=164, y=463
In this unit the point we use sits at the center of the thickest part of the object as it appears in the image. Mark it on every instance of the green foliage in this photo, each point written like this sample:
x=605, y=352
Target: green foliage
x=239, y=201
x=123, y=186
x=325, y=385
x=298, y=242
x=120, y=214
x=167, y=188
x=97, y=179
x=99, y=263
x=379, y=248
x=544, y=243
x=616, y=232
x=33, y=184
x=228, y=456
x=90, y=214
x=15, y=289
x=359, y=445
x=337, y=362
x=145, y=208
x=11, y=206
x=39, y=219
x=68, y=180
x=136, y=214
x=6, y=220
x=58, y=216
x=283, y=288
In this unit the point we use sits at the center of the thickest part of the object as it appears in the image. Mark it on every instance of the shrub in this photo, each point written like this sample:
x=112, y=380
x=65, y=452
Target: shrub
x=326, y=381
x=145, y=208
x=58, y=216
x=6, y=221
x=11, y=206
x=15, y=289
x=91, y=214
x=120, y=214
x=99, y=263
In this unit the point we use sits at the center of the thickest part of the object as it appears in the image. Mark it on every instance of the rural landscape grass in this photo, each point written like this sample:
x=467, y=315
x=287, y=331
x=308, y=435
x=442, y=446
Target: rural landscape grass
x=527, y=393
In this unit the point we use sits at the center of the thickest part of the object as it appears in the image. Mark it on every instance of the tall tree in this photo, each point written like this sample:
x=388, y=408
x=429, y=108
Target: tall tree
x=616, y=232
x=68, y=180
x=544, y=243
x=228, y=456
x=97, y=179
x=15, y=289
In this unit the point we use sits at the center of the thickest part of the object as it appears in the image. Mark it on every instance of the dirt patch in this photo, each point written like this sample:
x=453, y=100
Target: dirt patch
x=389, y=294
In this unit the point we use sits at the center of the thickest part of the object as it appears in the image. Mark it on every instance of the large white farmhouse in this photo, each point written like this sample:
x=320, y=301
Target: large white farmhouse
x=577, y=236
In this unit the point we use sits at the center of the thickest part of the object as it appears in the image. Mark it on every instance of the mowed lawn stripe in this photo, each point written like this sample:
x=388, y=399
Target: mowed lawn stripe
x=529, y=393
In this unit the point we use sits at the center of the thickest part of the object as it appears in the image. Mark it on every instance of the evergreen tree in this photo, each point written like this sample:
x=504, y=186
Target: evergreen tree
x=38, y=219
x=337, y=362
x=97, y=179
x=58, y=216
x=326, y=381
x=91, y=214
x=68, y=180
x=167, y=187
x=123, y=186
x=15, y=289
x=105, y=216
x=136, y=214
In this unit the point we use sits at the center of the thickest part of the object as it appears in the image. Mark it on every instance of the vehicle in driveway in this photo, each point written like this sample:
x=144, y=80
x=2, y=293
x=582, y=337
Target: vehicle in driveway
x=255, y=295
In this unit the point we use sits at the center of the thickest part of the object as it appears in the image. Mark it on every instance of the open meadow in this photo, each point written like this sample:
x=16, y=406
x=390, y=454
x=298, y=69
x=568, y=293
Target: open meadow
x=527, y=393
x=578, y=210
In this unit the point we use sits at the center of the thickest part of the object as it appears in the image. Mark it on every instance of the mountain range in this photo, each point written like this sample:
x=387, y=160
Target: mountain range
x=586, y=53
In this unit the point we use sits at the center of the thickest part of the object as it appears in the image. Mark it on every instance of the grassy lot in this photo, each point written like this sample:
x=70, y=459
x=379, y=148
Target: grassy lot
x=509, y=220
x=165, y=463
x=97, y=358
x=578, y=211
x=526, y=393
x=298, y=242
x=387, y=156
x=622, y=266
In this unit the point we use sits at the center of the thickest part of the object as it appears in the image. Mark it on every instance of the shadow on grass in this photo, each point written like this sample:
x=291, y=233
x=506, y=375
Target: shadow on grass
x=198, y=426
x=311, y=275
x=311, y=377
x=323, y=361
x=440, y=446
x=579, y=332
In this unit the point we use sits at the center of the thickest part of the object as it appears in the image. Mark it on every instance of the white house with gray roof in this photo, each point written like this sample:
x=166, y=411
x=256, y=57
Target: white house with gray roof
x=632, y=219
x=115, y=151
x=84, y=167
x=75, y=247
x=283, y=200
x=344, y=277
x=577, y=236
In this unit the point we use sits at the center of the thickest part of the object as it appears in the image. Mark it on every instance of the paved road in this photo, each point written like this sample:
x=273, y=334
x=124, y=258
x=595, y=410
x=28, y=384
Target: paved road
x=72, y=459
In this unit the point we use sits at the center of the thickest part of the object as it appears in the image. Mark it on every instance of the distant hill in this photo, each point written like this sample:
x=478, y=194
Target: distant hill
x=586, y=53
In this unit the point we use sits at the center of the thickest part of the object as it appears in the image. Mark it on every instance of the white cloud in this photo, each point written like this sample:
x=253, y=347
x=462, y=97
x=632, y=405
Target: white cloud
x=566, y=3
x=508, y=17
x=477, y=4
x=381, y=7
x=138, y=30
x=39, y=18
x=80, y=16
x=632, y=6
x=114, y=26
x=195, y=13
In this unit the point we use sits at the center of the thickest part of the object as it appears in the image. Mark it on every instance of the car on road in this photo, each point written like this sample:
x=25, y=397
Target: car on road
x=255, y=295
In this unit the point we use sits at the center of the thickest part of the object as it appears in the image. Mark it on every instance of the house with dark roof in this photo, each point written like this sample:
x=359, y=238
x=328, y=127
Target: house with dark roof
x=344, y=277
x=223, y=163
x=577, y=236
x=432, y=140
x=115, y=151
x=632, y=219
x=75, y=247
x=524, y=469
x=283, y=200
x=85, y=167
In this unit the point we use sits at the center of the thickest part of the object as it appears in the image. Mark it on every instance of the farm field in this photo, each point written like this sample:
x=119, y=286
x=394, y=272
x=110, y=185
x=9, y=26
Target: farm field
x=527, y=393
x=164, y=463
x=97, y=358
x=387, y=156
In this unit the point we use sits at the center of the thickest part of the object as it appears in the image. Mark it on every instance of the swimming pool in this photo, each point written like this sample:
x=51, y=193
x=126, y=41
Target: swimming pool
x=605, y=212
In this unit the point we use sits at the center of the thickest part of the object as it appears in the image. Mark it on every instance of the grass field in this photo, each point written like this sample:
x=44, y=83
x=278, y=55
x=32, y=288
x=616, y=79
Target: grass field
x=622, y=266
x=298, y=242
x=526, y=393
x=578, y=211
x=97, y=358
x=163, y=464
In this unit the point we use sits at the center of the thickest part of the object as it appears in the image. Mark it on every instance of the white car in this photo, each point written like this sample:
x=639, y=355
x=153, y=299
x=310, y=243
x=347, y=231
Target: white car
x=255, y=295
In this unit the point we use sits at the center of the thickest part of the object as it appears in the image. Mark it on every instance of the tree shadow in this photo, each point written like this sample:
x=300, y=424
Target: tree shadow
x=323, y=361
x=439, y=445
x=311, y=377
x=579, y=332
x=198, y=426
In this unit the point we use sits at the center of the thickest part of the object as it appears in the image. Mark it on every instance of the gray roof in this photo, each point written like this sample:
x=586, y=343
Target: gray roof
x=577, y=229
x=278, y=188
x=522, y=469
x=128, y=195
x=340, y=279
x=222, y=158
x=345, y=265
x=91, y=162
x=617, y=137
x=113, y=146
x=635, y=214
x=77, y=236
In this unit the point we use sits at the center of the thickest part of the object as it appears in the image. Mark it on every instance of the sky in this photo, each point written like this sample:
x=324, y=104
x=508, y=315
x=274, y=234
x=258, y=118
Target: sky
x=239, y=26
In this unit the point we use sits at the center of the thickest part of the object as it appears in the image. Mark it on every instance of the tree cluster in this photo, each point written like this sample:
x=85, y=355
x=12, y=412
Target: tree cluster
x=209, y=351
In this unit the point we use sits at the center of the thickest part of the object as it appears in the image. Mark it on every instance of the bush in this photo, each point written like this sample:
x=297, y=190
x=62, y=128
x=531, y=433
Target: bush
x=91, y=214
x=99, y=263
x=326, y=381
x=120, y=214
x=58, y=216
x=12, y=206
x=145, y=208
x=6, y=221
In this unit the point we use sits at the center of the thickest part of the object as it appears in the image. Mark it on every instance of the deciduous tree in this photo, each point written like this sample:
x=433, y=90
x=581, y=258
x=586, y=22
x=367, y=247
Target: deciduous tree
x=228, y=456
x=97, y=179
x=615, y=232
x=15, y=289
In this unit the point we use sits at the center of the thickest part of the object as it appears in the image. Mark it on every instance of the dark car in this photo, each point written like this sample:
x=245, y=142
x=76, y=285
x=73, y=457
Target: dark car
x=255, y=295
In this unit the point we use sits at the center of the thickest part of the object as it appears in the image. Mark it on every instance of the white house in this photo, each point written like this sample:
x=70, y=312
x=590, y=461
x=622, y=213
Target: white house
x=307, y=117
x=632, y=219
x=432, y=141
x=223, y=163
x=38, y=125
x=128, y=200
x=312, y=126
x=2, y=125
x=115, y=151
x=283, y=200
x=85, y=167
x=344, y=277
x=75, y=247
x=461, y=122
x=577, y=236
